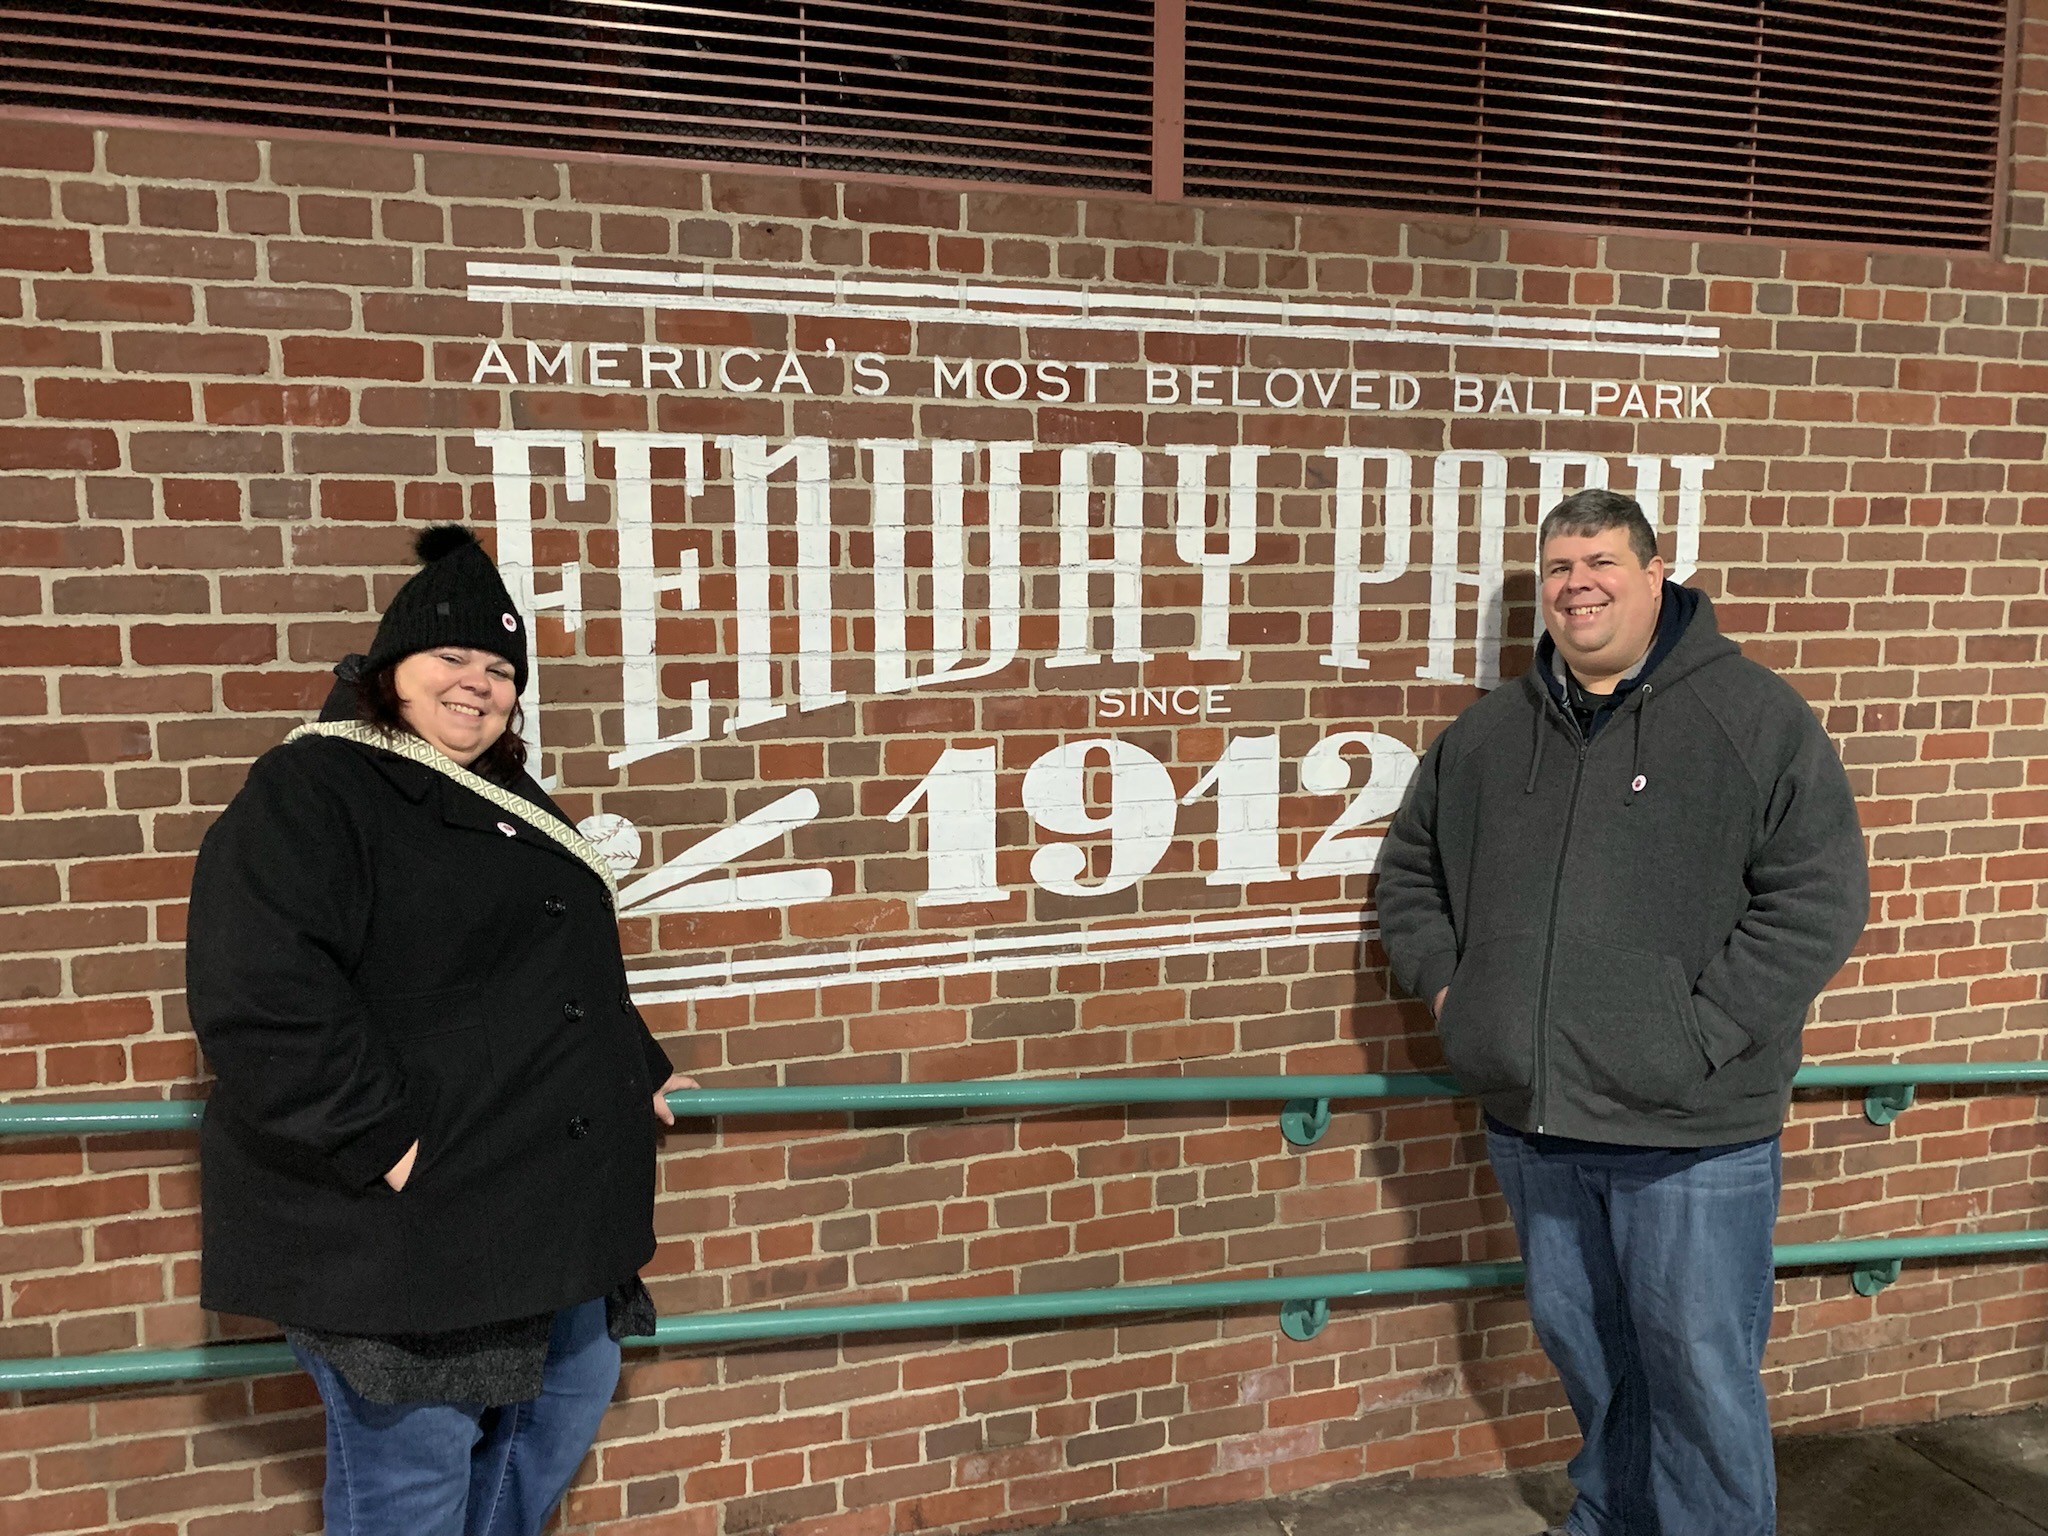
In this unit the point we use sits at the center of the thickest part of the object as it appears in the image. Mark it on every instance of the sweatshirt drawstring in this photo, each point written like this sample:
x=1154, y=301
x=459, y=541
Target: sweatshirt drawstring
x=1536, y=753
x=1636, y=781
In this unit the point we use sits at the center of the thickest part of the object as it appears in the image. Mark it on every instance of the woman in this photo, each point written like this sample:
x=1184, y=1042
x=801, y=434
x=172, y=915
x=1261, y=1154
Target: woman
x=429, y=1153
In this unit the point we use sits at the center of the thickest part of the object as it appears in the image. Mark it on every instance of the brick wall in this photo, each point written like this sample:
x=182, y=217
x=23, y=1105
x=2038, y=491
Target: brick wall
x=240, y=374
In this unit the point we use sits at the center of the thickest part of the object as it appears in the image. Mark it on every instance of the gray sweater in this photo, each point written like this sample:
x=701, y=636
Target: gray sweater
x=1632, y=928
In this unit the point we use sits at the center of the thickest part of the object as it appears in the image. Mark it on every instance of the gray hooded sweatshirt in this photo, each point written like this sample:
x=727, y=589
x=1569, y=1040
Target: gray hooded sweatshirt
x=1632, y=928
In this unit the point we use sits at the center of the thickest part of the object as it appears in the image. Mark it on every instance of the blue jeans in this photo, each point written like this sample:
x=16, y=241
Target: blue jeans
x=1650, y=1284
x=465, y=1469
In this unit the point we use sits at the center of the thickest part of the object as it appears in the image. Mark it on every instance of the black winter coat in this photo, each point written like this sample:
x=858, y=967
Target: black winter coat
x=378, y=955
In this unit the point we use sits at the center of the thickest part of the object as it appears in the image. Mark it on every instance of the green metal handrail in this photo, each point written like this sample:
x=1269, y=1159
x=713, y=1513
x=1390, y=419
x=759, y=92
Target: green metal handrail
x=1304, y=1309
x=1889, y=1088
x=997, y=1093
x=1303, y=1299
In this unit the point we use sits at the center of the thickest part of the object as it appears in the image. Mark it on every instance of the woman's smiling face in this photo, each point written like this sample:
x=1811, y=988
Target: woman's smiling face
x=459, y=700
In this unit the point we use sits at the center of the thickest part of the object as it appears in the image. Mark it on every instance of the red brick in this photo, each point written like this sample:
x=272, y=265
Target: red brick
x=156, y=645
x=464, y=408
x=129, y=880
x=259, y=213
x=636, y=186
x=70, y=837
x=107, y=741
x=206, y=452
x=496, y=176
x=120, y=1461
x=430, y=314
x=175, y=694
x=31, y=248
x=179, y=256
x=183, y=156
x=47, y=347
x=99, y=299
x=194, y=1491
x=126, y=400
x=207, y=548
x=301, y=592
x=280, y=309
x=274, y=691
x=310, y=261
x=90, y=202
x=60, y=546
x=81, y=1510
x=24, y=197
x=130, y=594
x=349, y=358
x=165, y=352
x=178, y=208
x=350, y=218
x=47, y=146
x=69, y=645
x=351, y=167
x=217, y=501
x=298, y=405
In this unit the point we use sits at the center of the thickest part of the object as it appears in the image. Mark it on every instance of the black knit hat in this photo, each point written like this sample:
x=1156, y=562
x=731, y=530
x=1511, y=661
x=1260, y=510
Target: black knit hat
x=456, y=598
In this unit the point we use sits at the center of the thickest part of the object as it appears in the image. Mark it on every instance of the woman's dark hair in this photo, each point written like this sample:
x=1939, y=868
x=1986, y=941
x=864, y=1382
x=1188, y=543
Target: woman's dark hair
x=378, y=704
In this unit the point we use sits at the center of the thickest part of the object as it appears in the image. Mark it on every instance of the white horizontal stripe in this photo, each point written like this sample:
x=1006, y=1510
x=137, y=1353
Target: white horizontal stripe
x=998, y=963
x=797, y=308
x=996, y=953
x=1073, y=309
x=1084, y=301
x=972, y=945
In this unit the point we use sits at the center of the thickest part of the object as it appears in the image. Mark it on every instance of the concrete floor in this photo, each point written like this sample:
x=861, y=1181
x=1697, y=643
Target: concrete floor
x=1968, y=1477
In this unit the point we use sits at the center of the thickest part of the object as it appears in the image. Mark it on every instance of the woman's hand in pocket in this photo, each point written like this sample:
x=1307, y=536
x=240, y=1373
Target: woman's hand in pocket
x=662, y=1112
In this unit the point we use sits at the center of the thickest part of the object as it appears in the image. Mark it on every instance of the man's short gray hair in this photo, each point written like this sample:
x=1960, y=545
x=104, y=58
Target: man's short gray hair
x=1595, y=511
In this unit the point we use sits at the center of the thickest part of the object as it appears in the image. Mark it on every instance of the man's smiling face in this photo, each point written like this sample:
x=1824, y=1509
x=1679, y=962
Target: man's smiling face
x=1599, y=603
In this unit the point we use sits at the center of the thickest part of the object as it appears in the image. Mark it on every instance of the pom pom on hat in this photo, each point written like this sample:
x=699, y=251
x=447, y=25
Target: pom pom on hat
x=456, y=597
x=440, y=541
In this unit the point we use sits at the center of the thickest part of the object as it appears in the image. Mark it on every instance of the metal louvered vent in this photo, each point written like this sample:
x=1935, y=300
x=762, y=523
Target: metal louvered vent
x=1821, y=119
x=1788, y=118
x=1030, y=92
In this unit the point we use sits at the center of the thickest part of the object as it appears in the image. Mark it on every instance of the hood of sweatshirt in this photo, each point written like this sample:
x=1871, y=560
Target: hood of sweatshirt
x=1674, y=618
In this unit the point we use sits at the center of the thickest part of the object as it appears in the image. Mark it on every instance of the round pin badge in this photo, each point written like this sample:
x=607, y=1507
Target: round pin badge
x=511, y=624
x=508, y=829
x=1637, y=783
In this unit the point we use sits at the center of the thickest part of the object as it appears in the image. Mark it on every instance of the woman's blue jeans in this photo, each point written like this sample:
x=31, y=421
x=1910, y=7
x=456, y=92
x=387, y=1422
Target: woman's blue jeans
x=1650, y=1284
x=465, y=1469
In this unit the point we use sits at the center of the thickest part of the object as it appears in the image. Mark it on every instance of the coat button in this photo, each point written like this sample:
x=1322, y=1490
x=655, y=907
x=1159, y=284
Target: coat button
x=572, y=1011
x=554, y=906
x=578, y=1128
x=625, y=1001
x=606, y=898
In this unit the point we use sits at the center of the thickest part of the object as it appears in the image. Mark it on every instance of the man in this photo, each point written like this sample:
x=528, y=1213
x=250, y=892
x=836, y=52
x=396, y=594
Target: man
x=1620, y=882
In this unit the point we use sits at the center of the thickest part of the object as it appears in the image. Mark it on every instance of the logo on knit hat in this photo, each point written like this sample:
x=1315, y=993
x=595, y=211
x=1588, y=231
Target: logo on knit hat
x=511, y=624
x=508, y=829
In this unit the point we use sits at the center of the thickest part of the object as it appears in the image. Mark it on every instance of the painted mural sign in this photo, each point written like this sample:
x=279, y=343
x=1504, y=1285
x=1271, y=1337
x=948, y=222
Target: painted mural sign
x=1035, y=576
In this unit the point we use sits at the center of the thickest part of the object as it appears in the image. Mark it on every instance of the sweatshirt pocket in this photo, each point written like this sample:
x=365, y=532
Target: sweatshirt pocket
x=1488, y=1025
x=1623, y=1027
